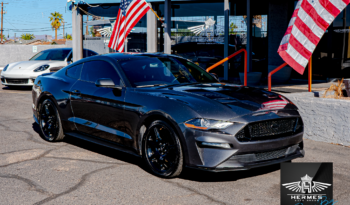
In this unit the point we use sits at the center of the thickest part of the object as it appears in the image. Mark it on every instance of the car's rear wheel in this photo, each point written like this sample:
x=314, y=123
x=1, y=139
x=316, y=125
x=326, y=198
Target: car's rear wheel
x=162, y=150
x=50, y=122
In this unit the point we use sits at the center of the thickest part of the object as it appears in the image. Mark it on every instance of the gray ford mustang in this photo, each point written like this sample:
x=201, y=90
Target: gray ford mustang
x=168, y=111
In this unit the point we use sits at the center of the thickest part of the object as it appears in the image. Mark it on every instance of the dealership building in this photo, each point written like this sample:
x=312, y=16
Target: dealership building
x=207, y=31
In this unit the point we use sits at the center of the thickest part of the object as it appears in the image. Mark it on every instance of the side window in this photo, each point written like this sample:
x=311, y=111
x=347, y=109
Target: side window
x=70, y=57
x=94, y=70
x=74, y=72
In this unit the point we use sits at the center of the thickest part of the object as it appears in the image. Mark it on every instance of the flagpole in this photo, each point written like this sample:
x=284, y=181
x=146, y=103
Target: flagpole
x=125, y=34
x=126, y=20
x=310, y=74
x=156, y=15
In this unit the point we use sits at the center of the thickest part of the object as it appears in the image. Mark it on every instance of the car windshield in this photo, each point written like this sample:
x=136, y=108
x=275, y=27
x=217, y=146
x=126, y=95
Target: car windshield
x=54, y=55
x=163, y=71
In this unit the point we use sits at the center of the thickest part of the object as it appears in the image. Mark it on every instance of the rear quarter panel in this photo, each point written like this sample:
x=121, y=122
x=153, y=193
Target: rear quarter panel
x=55, y=86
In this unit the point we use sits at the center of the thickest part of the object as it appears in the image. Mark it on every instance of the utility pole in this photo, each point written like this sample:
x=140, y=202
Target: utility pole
x=2, y=20
x=87, y=27
x=63, y=27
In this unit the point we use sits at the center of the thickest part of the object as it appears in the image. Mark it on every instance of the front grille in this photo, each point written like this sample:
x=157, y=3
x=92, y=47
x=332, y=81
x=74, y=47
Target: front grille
x=273, y=127
x=270, y=129
x=3, y=80
x=16, y=81
x=271, y=155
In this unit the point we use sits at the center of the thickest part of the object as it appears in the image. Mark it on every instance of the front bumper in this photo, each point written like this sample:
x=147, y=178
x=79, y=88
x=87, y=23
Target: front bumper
x=249, y=161
x=241, y=155
x=17, y=81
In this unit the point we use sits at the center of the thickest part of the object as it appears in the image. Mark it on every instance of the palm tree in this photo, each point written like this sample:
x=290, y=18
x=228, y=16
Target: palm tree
x=68, y=37
x=56, y=20
x=27, y=36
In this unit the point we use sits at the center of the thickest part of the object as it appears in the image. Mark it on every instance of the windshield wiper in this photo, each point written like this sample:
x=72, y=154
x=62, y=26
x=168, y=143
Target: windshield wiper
x=145, y=86
x=180, y=84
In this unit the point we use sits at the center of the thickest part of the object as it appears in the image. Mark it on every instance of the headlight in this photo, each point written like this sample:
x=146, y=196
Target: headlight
x=205, y=124
x=42, y=68
x=5, y=68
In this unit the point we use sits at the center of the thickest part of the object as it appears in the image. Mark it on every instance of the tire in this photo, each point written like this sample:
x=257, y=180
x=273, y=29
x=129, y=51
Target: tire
x=162, y=151
x=50, y=122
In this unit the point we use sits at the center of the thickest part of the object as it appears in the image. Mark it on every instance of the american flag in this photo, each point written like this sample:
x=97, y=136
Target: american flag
x=129, y=14
x=309, y=22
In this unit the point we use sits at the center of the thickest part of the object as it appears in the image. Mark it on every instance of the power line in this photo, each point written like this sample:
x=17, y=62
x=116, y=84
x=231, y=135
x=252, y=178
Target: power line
x=10, y=23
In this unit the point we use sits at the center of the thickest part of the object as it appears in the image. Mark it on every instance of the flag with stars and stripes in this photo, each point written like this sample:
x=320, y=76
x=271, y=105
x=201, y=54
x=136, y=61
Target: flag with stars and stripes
x=129, y=14
x=309, y=22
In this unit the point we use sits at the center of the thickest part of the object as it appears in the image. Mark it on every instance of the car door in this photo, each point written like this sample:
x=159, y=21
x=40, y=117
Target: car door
x=98, y=111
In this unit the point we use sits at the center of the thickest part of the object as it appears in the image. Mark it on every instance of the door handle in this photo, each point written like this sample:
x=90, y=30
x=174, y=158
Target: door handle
x=76, y=92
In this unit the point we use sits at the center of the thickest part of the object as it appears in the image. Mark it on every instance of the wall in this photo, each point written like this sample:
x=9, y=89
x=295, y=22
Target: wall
x=15, y=53
x=96, y=44
x=325, y=120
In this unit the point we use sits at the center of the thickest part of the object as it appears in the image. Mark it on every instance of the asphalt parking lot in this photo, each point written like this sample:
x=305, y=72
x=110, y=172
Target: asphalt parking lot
x=33, y=171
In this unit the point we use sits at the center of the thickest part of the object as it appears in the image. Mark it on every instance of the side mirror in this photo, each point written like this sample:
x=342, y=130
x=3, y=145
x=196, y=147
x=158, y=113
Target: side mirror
x=105, y=83
x=69, y=62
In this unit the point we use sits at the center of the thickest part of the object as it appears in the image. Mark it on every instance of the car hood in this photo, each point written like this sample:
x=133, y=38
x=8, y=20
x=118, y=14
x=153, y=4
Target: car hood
x=23, y=66
x=226, y=101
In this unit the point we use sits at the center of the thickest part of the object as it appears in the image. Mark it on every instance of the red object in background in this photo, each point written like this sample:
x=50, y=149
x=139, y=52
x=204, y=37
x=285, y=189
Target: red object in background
x=129, y=14
x=309, y=22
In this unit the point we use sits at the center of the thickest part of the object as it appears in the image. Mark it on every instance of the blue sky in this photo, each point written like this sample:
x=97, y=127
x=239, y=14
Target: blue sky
x=32, y=16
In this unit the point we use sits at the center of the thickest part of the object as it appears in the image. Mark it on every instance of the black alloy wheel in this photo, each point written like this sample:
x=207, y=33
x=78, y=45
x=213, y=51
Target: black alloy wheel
x=50, y=122
x=162, y=150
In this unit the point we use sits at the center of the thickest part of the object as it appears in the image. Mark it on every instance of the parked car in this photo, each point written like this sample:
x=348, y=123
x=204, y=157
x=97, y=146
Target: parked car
x=169, y=111
x=24, y=73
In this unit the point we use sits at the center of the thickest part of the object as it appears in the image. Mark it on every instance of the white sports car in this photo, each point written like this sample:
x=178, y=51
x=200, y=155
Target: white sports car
x=24, y=73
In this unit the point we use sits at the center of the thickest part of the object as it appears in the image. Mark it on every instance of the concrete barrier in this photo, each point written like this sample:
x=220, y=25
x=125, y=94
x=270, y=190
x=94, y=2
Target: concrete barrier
x=325, y=120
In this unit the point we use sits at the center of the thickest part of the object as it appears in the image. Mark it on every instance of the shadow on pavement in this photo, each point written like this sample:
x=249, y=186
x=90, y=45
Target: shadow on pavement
x=204, y=176
x=187, y=174
x=19, y=88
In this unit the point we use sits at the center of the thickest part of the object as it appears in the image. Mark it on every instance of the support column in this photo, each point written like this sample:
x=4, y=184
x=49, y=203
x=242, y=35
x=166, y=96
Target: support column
x=249, y=37
x=344, y=39
x=151, y=31
x=279, y=15
x=167, y=25
x=227, y=26
x=77, y=23
x=278, y=21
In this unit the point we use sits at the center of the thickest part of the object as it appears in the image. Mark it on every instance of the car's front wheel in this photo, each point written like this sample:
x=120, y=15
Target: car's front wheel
x=50, y=122
x=162, y=150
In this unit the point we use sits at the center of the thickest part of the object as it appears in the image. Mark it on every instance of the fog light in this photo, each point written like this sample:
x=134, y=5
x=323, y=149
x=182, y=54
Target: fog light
x=213, y=144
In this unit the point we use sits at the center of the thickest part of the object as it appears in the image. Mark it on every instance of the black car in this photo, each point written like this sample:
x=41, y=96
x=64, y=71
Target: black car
x=169, y=111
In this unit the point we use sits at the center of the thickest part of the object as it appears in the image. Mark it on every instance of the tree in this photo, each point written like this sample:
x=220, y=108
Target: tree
x=92, y=31
x=3, y=37
x=232, y=29
x=68, y=37
x=27, y=36
x=56, y=20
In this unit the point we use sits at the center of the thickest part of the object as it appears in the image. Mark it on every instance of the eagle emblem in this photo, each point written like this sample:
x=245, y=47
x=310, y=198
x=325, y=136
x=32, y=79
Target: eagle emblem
x=306, y=184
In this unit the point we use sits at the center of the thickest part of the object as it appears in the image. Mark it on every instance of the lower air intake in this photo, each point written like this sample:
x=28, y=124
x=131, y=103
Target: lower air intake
x=17, y=81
